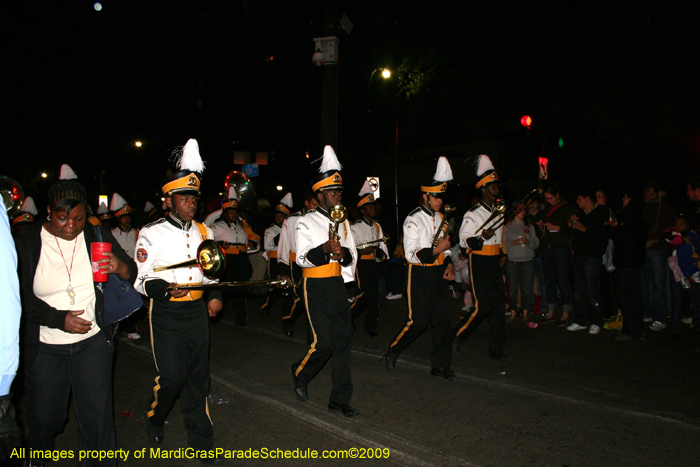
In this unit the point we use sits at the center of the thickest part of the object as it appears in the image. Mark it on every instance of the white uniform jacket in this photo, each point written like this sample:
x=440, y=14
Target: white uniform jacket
x=164, y=242
x=271, y=233
x=419, y=229
x=469, y=239
x=126, y=240
x=236, y=233
x=287, y=246
x=312, y=232
x=364, y=231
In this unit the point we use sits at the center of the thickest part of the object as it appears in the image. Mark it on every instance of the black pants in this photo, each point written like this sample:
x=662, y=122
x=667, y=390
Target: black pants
x=85, y=368
x=238, y=268
x=328, y=311
x=428, y=303
x=294, y=304
x=368, y=282
x=489, y=301
x=180, y=341
x=274, y=294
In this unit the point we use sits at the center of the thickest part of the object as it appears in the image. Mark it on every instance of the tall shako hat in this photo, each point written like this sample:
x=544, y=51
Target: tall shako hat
x=119, y=206
x=329, y=177
x=103, y=212
x=190, y=165
x=366, y=194
x=232, y=202
x=485, y=172
x=27, y=214
x=285, y=206
x=443, y=174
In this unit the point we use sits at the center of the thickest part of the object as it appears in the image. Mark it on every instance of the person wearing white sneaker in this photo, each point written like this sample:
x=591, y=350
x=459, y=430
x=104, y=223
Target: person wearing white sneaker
x=594, y=329
x=575, y=327
x=394, y=296
x=657, y=326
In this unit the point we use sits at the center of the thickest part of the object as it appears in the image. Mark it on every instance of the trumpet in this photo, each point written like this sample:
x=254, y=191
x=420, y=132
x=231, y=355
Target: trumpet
x=372, y=242
x=338, y=213
x=210, y=259
x=443, y=225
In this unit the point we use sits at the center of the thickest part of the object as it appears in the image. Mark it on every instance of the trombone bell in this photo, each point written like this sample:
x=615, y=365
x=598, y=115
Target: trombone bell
x=211, y=260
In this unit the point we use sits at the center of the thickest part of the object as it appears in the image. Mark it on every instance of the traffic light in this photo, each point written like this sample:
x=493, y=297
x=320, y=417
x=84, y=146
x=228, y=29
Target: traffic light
x=526, y=121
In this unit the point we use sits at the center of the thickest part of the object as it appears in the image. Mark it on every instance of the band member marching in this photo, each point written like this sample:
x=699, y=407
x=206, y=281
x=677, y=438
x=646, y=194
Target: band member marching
x=179, y=318
x=293, y=305
x=270, y=242
x=26, y=216
x=365, y=230
x=430, y=269
x=326, y=254
x=485, y=261
x=238, y=240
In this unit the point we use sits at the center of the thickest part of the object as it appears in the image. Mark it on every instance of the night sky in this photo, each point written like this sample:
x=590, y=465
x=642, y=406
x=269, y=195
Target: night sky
x=615, y=82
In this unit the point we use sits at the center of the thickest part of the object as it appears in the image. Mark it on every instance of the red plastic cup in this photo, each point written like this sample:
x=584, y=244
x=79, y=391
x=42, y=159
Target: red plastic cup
x=97, y=250
x=533, y=325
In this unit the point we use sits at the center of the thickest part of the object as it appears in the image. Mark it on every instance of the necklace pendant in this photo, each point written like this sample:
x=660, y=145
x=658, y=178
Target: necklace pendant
x=71, y=293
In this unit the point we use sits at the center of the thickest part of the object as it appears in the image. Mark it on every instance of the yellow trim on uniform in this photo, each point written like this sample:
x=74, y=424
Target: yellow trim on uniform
x=488, y=250
x=191, y=296
x=123, y=211
x=24, y=217
x=327, y=270
x=441, y=188
x=367, y=256
x=292, y=256
x=369, y=198
x=333, y=180
x=234, y=250
x=94, y=221
x=232, y=203
x=188, y=182
x=438, y=262
x=283, y=209
x=410, y=309
x=476, y=300
x=492, y=177
x=155, y=402
x=359, y=287
x=313, y=331
x=272, y=254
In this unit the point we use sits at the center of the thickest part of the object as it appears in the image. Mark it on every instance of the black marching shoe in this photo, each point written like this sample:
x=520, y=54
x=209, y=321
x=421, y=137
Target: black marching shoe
x=390, y=358
x=345, y=409
x=456, y=344
x=299, y=389
x=288, y=329
x=154, y=432
x=449, y=375
x=500, y=356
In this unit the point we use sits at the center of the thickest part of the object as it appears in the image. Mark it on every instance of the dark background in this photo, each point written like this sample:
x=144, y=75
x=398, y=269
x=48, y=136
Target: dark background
x=615, y=82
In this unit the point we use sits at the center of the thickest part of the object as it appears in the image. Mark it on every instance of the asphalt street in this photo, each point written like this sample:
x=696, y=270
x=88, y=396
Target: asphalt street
x=566, y=399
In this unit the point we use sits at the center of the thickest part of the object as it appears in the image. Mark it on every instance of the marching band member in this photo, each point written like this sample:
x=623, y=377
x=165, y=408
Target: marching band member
x=430, y=269
x=367, y=229
x=26, y=216
x=125, y=235
x=271, y=240
x=293, y=305
x=326, y=253
x=485, y=260
x=104, y=216
x=238, y=240
x=179, y=318
x=151, y=212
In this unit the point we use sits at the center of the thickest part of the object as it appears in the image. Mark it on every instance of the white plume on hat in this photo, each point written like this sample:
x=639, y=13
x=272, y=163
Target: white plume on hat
x=232, y=193
x=366, y=189
x=287, y=200
x=117, y=202
x=102, y=208
x=483, y=164
x=188, y=157
x=67, y=173
x=29, y=206
x=330, y=160
x=443, y=173
x=148, y=207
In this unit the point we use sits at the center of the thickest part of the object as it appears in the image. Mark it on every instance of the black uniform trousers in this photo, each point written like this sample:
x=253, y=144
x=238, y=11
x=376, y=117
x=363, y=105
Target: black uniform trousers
x=294, y=305
x=428, y=304
x=489, y=301
x=368, y=299
x=238, y=268
x=274, y=294
x=180, y=342
x=328, y=311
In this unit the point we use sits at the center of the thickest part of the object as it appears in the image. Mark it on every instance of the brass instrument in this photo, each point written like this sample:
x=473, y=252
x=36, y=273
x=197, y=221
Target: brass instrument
x=498, y=209
x=443, y=225
x=210, y=259
x=12, y=195
x=522, y=204
x=372, y=242
x=338, y=213
x=282, y=284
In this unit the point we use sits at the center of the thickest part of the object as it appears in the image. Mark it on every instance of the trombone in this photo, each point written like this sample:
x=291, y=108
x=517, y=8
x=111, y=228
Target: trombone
x=384, y=239
x=282, y=284
x=509, y=214
x=210, y=259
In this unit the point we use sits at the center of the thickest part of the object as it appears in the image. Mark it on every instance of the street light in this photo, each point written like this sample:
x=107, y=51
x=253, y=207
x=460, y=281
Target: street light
x=138, y=144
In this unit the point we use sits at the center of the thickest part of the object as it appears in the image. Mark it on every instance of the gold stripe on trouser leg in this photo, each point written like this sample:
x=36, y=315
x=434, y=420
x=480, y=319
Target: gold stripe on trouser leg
x=357, y=297
x=206, y=409
x=150, y=325
x=291, y=312
x=410, y=309
x=267, y=301
x=313, y=331
x=155, y=394
x=476, y=300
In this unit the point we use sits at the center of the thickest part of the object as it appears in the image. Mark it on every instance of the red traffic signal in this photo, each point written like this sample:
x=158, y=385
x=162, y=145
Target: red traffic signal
x=526, y=121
